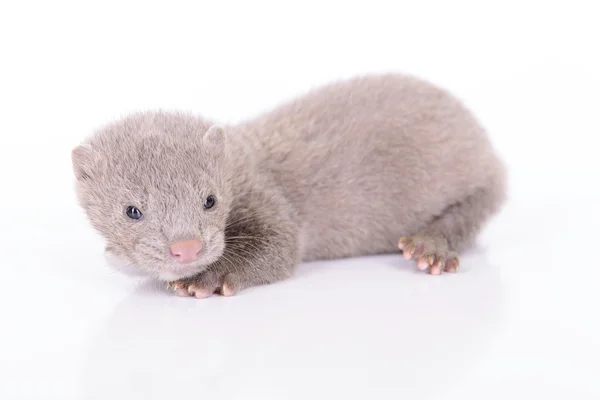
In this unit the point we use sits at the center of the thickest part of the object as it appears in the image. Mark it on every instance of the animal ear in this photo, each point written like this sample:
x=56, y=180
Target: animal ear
x=215, y=136
x=81, y=157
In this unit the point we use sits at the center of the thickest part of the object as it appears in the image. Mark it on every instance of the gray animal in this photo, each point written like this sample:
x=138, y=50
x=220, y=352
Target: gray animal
x=358, y=167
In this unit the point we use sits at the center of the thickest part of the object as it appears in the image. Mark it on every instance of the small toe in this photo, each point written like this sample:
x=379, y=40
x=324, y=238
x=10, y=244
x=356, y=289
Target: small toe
x=198, y=292
x=437, y=266
x=231, y=285
x=412, y=251
x=178, y=288
x=424, y=262
x=452, y=265
x=228, y=290
x=435, y=270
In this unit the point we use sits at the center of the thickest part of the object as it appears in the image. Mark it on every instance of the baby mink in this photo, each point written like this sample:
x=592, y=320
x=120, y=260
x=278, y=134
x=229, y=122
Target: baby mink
x=358, y=167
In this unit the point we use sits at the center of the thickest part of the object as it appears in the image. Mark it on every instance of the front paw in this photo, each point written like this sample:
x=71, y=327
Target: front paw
x=206, y=284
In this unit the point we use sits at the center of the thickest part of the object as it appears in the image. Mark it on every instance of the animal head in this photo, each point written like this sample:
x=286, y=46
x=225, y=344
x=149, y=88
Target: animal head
x=156, y=186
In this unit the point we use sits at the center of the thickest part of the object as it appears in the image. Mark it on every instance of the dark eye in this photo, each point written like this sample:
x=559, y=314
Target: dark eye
x=133, y=212
x=209, y=202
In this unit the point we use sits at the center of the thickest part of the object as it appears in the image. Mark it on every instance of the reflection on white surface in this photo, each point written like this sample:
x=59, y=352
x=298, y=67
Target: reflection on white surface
x=364, y=327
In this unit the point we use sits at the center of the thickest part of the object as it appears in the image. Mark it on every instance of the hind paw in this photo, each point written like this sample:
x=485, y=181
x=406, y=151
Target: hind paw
x=431, y=253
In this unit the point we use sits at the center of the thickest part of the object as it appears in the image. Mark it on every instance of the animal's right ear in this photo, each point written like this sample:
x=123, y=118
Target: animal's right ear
x=215, y=136
x=81, y=157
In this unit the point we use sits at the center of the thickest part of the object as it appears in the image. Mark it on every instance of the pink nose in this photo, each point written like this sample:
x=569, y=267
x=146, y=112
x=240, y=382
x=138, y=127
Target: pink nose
x=186, y=252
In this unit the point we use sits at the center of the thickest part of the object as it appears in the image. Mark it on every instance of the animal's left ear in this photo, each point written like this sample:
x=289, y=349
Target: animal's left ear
x=215, y=136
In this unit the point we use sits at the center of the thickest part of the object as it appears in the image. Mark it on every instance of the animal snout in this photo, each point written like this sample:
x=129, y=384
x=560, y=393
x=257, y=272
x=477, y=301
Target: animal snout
x=186, y=252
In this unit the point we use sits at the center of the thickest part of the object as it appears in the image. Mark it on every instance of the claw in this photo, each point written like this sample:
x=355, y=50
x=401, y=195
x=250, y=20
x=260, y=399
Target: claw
x=430, y=259
x=409, y=251
x=402, y=242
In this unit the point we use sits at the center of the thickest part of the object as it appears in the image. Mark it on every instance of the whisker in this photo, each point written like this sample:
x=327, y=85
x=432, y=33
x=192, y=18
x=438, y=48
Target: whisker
x=244, y=251
x=260, y=241
x=244, y=244
x=241, y=237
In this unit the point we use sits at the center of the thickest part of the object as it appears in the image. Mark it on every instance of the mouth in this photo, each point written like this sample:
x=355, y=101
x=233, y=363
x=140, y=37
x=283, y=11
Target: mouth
x=155, y=261
x=181, y=272
x=165, y=269
x=177, y=271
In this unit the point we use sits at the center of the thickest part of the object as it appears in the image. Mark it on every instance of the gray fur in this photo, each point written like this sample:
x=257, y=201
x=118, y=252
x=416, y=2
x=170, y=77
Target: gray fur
x=345, y=170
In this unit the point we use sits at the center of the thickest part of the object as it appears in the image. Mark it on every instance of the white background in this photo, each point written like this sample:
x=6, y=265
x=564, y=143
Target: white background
x=520, y=319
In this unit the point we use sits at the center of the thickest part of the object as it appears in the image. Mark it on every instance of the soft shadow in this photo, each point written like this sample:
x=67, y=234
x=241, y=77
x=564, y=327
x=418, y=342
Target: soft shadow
x=360, y=328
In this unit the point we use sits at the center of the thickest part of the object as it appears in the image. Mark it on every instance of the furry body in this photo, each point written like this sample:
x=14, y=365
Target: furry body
x=345, y=170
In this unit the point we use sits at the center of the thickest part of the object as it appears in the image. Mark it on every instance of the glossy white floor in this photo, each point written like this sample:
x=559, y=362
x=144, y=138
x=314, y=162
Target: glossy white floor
x=521, y=318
